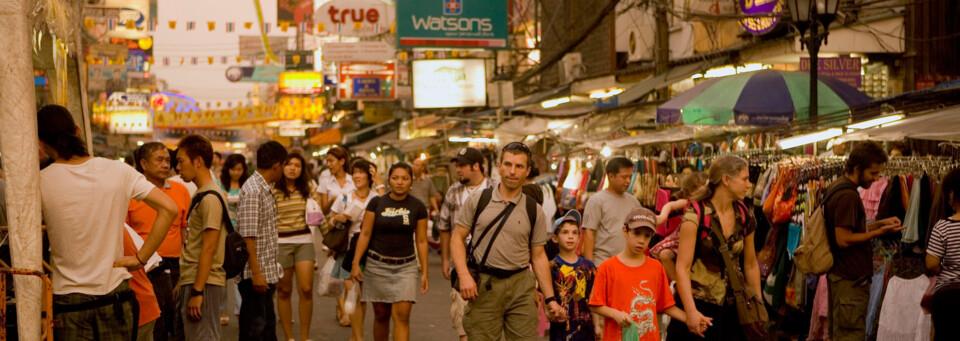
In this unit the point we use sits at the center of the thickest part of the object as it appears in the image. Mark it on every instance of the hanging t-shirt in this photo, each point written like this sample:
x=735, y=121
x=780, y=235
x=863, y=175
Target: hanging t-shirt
x=641, y=291
x=394, y=224
x=912, y=220
x=899, y=317
x=572, y=284
x=84, y=207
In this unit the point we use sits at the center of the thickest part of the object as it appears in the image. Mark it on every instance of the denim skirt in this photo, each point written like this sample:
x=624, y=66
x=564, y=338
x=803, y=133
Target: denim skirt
x=389, y=283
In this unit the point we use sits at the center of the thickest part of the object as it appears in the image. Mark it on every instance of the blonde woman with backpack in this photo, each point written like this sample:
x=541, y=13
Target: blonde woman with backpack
x=702, y=283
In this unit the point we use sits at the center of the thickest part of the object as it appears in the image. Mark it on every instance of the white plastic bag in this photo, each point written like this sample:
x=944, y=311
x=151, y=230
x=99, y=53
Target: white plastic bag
x=329, y=286
x=350, y=304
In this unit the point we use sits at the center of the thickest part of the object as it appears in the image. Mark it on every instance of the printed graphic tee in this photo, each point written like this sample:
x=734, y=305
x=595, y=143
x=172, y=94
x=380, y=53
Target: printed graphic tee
x=572, y=284
x=642, y=292
x=394, y=224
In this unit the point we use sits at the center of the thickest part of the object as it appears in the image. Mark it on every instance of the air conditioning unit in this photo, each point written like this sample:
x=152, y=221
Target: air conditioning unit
x=635, y=47
x=571, y=67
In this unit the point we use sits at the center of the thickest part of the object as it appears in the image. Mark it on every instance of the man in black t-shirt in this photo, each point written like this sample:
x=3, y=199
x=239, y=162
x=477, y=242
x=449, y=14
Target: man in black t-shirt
x=849, y=235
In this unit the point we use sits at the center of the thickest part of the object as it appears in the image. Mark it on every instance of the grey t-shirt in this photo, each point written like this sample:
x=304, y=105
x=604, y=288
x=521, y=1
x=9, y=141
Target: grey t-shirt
x=511, y=250
x=423, y=189
x=605, y=213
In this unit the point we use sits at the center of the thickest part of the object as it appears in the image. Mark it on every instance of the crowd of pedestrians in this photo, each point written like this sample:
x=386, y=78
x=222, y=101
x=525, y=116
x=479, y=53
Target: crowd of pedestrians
x=161, y=267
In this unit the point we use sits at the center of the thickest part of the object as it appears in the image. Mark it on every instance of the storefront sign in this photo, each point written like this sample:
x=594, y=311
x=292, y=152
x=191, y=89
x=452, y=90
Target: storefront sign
x=118, y=19
x=355, y=18
x=106, y=78
x=300, y=83
x=449, y=83
x=769, y=12
x=300, y=107
x=377, y=115
x=293, y=130
x=845, y=69
x=129, y=113
x=367, y=81
x=295, y=11
x=357, y=52
x=452, y=23
x=259, y=74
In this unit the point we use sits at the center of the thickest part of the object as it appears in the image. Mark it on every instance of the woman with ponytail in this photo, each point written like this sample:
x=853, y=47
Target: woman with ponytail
x=702, y=284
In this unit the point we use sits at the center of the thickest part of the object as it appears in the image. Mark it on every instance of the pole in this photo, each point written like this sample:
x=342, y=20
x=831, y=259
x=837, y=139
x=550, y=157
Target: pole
x=18, y=144
x=813, y=46
x=662, y=44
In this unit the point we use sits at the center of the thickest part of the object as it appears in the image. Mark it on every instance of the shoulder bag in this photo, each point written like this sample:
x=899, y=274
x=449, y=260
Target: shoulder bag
x=750, y=308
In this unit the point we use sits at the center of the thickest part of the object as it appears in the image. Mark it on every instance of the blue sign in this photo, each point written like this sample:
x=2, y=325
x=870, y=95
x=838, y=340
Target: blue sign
x=366, y=87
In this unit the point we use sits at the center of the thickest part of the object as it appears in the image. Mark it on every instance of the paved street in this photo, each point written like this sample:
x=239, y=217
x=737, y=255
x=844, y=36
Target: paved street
x=430, y=319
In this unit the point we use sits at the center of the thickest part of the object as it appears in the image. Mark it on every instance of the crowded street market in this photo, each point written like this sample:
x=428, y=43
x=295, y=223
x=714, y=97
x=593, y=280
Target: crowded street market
x=489, y=170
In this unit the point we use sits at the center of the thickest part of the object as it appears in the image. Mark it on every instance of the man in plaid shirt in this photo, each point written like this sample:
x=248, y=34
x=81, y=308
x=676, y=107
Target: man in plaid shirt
x=469, y=165
x=257, y=223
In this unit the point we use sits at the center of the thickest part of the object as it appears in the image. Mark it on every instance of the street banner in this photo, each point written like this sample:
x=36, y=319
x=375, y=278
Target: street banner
x=357, y=52
x=452, y=23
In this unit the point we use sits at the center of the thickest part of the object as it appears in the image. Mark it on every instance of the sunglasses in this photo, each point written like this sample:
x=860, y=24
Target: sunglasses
x=518, y=146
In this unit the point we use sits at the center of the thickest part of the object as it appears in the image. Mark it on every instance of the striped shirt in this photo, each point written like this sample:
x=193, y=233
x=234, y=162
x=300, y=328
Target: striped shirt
x=257, y=218
x=945, y=245
x=291, y=212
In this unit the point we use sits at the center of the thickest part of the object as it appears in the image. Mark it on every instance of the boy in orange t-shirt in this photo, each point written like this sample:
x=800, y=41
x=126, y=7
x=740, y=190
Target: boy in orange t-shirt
x=631, y=289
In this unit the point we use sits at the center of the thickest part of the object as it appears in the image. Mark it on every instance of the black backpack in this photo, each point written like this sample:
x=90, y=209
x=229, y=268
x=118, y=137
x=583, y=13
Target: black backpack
x=235, y=252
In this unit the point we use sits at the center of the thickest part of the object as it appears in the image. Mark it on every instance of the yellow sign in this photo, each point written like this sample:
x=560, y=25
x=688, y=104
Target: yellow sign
x=302, y=83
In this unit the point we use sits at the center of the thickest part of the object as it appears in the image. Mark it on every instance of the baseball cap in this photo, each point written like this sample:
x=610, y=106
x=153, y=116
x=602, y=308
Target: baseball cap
x=641, y=217
x=571, y=216
x=468, y=156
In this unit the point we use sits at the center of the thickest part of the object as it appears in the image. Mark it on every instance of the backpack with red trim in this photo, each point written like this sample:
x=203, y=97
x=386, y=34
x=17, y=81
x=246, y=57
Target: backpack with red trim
x=703, y=224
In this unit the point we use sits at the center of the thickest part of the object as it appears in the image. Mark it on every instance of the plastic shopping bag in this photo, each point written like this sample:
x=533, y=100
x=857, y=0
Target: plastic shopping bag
x=350, y=305
x=329, y=286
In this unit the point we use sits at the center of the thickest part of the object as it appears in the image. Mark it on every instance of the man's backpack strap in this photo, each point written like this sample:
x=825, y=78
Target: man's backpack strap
x=226, y=214
x=485, y=196
x=532, y=215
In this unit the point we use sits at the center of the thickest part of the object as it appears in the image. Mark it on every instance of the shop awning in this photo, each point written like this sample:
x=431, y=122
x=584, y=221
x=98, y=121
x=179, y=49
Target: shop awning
x=939, y=125
x=673, y=75
x=373, y=143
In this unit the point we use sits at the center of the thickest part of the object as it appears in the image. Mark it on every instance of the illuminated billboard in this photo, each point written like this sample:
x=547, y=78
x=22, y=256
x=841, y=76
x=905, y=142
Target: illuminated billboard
x=449, y=83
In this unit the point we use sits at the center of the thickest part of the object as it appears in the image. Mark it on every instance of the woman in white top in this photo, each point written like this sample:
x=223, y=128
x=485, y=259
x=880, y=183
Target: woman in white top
x=338, y=182
x=349, y=207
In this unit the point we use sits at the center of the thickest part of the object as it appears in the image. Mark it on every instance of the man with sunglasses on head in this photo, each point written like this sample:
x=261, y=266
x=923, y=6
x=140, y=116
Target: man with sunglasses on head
x=469, y=167
x=508, y=232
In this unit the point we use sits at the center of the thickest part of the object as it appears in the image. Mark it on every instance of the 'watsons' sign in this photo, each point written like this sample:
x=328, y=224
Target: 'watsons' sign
x=452, y=23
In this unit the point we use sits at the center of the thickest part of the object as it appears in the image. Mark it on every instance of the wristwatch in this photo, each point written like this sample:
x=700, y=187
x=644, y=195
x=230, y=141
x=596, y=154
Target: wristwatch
x=549, y=299
x=195, y=292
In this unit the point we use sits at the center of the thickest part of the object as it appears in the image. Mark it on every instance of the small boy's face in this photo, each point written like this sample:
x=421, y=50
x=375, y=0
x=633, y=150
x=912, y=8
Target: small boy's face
x=637, y=239
x=567, y=236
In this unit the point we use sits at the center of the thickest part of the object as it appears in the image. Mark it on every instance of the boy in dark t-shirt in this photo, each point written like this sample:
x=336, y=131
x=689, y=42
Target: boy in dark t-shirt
x=572, y=277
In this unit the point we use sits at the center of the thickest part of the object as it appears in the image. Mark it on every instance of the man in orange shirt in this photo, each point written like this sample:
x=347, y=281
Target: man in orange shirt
x=153, y=160
x=149, y=308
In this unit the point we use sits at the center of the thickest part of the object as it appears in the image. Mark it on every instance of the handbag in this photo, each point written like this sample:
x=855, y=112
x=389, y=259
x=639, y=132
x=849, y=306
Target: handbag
x=751, y=311
x=335, y=238
x=314, y=215
x=472, y=265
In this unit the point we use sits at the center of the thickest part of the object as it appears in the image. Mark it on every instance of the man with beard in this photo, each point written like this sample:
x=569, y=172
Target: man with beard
x=469, y=165
x=849, y=236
